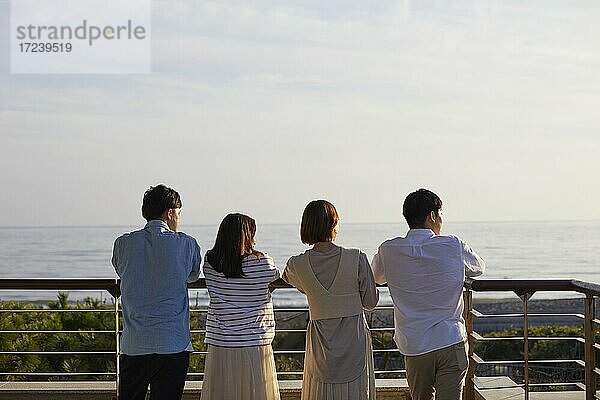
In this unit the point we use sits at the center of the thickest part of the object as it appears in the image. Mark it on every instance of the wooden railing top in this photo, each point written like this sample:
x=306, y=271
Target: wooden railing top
x=110, y=285
x=534, y=285
x=479, y=285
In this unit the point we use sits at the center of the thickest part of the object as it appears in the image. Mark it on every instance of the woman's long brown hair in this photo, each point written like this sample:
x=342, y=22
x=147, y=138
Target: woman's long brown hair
x=235, y=240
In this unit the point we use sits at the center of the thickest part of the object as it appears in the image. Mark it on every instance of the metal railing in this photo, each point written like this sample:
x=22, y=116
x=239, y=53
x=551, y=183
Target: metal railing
x=112, y=287
x=109, y=285
x=523, y=288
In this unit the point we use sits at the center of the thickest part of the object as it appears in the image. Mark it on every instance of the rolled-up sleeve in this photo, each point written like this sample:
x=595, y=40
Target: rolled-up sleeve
x=378, y=269
x=474, y=265
x=115, y=256
x=196, y=258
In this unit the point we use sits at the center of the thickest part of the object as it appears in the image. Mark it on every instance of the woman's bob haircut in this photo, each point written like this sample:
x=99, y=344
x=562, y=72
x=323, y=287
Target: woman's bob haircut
x=318, y=222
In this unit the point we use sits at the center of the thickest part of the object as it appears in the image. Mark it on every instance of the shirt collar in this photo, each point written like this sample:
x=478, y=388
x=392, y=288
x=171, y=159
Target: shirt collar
x=157, y=223
x=420, y=233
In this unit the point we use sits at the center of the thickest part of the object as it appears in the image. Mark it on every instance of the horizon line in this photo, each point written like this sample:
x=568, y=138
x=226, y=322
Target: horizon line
x=298, y=223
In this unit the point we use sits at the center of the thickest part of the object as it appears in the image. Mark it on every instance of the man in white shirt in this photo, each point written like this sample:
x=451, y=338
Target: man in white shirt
x=425, y=272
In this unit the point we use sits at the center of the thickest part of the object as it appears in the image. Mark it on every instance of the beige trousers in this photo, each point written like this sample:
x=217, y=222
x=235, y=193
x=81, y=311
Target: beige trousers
x=441, y=372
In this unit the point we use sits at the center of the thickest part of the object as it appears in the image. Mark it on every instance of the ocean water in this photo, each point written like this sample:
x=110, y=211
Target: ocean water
x=512, y=250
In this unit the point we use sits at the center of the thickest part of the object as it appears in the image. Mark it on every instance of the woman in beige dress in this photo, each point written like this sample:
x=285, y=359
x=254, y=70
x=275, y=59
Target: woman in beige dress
x=339, y=284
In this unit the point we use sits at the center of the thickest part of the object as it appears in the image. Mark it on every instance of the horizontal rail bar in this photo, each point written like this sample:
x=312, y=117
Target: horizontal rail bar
x=520, y=385
x=288, y=351
x=203, y=331
x=55, y=373
x=397, y=371
x=31, y=331
x=481, y=338
x=110, y=285
x=391, y=350
x=52, y=353
x=479, y=285
x=500, y=362
x=57, y=310
x=544, y=384
x=534, y=285
x=520, y=315
x=392, y=371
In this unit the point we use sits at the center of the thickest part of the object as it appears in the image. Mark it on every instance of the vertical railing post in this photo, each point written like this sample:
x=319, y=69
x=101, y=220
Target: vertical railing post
x=590, y=353
x=117, y=348
x=525, y=298
x=469, y=392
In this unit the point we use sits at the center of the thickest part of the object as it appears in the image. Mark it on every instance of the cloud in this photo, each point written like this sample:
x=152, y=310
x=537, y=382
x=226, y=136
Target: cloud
x=290, y=100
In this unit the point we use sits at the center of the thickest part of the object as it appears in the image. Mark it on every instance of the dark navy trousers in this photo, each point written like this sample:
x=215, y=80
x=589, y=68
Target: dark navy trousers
x=164, y=373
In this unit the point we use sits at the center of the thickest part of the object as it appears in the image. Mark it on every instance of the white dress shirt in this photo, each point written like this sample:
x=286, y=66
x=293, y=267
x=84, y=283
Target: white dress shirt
x=425, y=274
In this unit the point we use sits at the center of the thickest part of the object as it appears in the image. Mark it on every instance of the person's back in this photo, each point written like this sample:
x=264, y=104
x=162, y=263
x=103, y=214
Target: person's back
x=426, y=288
x=154, y=265
x=425, y=273
x=240, y=324
x=154, y=288
x=339, y=284
x=240, y=312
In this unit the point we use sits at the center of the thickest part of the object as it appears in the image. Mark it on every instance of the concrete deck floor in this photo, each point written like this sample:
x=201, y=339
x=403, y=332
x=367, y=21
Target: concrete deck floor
x=387, y=389
x=485, y=391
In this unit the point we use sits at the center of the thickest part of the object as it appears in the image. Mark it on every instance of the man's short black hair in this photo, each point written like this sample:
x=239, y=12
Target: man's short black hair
x=159, y=199
x=418, y=205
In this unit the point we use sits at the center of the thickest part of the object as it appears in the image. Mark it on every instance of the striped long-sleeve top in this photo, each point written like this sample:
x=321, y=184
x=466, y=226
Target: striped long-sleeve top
x=240, y=312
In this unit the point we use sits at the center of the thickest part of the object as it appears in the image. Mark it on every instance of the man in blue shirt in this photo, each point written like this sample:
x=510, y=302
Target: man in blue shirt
x=155, y=264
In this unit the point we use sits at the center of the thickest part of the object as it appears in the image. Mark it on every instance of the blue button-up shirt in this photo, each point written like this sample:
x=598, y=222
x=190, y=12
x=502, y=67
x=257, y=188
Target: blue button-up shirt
x=155, y=264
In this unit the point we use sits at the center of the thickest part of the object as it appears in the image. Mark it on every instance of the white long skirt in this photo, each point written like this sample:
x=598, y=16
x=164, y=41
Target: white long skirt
x=241, y=373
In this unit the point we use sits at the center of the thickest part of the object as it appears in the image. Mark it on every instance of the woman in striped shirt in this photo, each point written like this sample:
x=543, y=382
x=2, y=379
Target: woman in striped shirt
x=240, y=325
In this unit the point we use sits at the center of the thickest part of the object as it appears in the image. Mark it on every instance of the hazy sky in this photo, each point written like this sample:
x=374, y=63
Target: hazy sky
x=260, y=106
